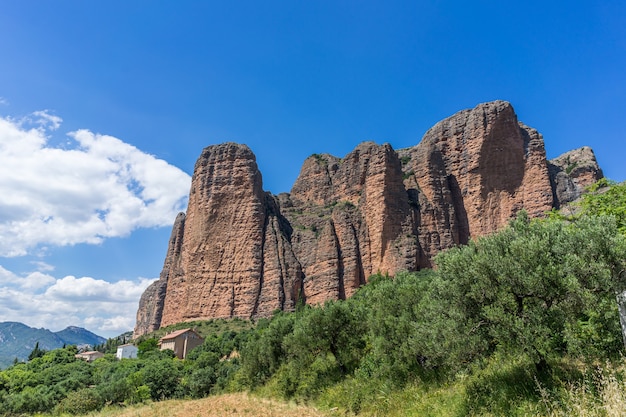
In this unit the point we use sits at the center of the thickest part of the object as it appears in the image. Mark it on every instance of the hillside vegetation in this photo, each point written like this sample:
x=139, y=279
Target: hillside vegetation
x=522, y=322
x=17, y=340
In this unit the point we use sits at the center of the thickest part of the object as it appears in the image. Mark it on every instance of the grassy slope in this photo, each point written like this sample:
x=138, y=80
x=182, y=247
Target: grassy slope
x=599, y=394
x=203, y=327
x=504, y=387
x=240, y=404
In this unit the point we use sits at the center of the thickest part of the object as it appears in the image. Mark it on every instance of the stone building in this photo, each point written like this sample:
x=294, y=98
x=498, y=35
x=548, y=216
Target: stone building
x=181, y=342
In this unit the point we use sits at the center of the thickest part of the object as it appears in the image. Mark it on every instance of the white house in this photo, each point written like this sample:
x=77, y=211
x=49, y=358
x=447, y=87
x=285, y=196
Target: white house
x=126, y=351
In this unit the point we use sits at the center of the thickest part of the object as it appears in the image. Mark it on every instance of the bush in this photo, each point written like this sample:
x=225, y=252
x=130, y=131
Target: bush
x=114, y=391
x=31, y=400
x=201, y=381
x=264, y=353
x=80, y=402
x=148, y=345
x=529, y=288
x=162, y=377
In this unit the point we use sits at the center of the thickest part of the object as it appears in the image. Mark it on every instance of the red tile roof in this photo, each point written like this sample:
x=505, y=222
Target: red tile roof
x=175, y=334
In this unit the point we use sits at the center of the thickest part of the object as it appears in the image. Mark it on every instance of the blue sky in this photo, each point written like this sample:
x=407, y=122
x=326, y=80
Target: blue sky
x=107, y=105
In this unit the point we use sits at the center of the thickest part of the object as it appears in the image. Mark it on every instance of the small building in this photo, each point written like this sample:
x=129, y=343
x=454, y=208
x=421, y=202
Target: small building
x=128, y=351
x=181, y=342
x=90, y=356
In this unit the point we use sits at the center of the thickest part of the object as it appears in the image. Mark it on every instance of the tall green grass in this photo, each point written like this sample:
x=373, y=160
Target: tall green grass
x=501, y=387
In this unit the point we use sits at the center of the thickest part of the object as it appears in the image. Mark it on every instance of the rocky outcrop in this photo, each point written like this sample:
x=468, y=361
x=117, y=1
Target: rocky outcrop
x=151, y=303
x=242, y=252
x=235, y=257
x=472, y=172
x=351, y=219
x=571, y=173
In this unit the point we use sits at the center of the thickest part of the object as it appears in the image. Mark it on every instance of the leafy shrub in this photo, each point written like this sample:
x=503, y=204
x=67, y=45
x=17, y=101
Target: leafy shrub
x=31, y=400
x=264, y=353
x=162, y=377
x=527, y=288
x=80, y=402
x=201, y=381
x=114, y=391
x=148, y=345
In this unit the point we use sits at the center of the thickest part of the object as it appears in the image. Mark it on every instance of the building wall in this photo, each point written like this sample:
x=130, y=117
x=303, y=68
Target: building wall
x=126, y=352
x=193, y=341
x=169, y=344
x=182, y=344
x=89, y=357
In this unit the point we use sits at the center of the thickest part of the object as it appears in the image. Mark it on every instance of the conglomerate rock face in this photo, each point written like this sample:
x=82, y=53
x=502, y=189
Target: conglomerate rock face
x=242, y=252
x=473, y=172
x=235, y=260
x=351, y=219
x=571, y=173
x=150, y=310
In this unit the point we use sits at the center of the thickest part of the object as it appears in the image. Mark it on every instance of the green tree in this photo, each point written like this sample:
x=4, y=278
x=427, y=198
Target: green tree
x=147, y=345
x=36, y=352
x=606, y=198
x=162, y=377
x=264, y=352
x=201, y=381
x=326, y=345
x=410, y=324
x=527, y=287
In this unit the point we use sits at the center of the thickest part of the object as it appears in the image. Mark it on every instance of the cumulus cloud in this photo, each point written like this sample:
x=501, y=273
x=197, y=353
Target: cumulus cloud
x=41, y=300
x=31, y=282
x=90, y=188
x=90, y=289
x=96, y=188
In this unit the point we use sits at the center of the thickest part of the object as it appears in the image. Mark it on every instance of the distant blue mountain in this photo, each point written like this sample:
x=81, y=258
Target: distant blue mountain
x=73, y=335
x=17, y=340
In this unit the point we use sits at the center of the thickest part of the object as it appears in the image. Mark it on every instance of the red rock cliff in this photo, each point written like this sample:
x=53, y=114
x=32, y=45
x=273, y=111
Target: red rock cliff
x=235, y=258
x=241, y=252
x=472, y=172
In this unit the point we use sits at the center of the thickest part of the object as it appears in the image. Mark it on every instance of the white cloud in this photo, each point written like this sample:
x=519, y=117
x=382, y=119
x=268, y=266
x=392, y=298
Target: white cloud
x=98, y=187
x=37, y=280
x=114, y=324
x=46, y=120
x=41, y=300
x=90, y=289
x=32, y=281
x=43, y=266
x=3, y=101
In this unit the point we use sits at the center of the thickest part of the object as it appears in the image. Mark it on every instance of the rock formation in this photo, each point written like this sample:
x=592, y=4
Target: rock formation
x=351, y=218
x=152, y=300
x=242, y=252
x=235, y=258
x=472, y=172
x=571, y=173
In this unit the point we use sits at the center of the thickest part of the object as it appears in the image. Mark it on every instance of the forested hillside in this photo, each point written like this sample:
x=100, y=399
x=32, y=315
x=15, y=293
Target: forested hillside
x=17, y=340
